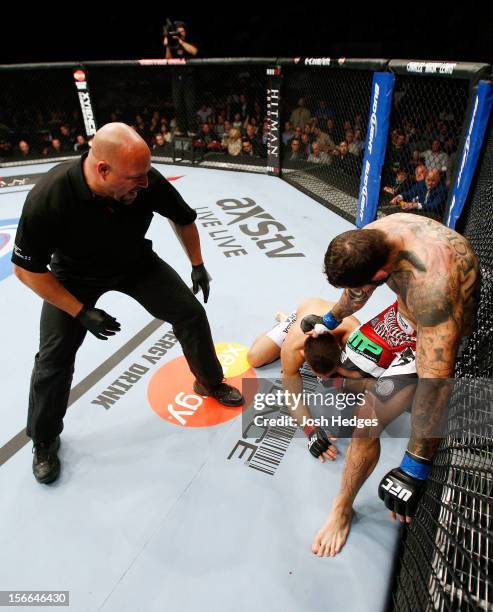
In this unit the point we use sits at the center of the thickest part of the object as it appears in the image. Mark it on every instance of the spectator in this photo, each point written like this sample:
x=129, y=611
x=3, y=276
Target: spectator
x=330, y=129
x=159, y=148
x=300, y=115
x=56, y=147
x=246, y=147
x=165, y=131
x=232, y=142
x=420, y=173
x=244, y=108
x=353, y=147
x=402, y=183
x=220, y=127
x=251, y=134
x=23, y=149
x=81, y=145
x=288, y=133
x=67, y=143
x=317, y=156
x=358, y=140
x=5, y=148
x=296, y=153
x=323, y=140
x=308, y=130
x=237, y=123
x=298, y=133
x=358, y=122
x=204, y=112
x=428, y=195
x=435, y=158
x=400, y=156
x=345, y=162
x=417, y=159
x=443, y=131
x=207, y=139
x=306, y=144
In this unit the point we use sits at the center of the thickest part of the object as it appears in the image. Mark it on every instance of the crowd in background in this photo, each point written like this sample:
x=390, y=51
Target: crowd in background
x=238, y=127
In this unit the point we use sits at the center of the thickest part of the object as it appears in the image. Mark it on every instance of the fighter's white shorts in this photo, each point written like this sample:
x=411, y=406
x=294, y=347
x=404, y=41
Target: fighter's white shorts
x=280, y=331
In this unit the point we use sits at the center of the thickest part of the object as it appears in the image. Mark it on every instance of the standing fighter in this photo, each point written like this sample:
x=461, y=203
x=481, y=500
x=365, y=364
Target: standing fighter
x=435, y=274
x=88, y=220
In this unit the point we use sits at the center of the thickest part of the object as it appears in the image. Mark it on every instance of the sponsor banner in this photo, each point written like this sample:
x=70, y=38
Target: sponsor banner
x=476, y=130
x=80, y=78
x=431, y=67
x=376, y=143
x=162, y=62
x=258, y=228
x=273, y=117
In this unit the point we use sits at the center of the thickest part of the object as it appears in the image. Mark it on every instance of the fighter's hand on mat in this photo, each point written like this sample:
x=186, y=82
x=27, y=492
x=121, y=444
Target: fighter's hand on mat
x=331, y=453
x=98, y=322
x=200, y=280
x=401, y=493
x=320, y=446
x=313, y=326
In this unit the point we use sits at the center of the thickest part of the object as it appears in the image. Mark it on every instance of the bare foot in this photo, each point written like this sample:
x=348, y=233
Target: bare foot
x=333, y=535
x=281, y=316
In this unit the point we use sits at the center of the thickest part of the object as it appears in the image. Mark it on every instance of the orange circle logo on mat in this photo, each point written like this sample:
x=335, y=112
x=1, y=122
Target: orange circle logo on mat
x=171, y=395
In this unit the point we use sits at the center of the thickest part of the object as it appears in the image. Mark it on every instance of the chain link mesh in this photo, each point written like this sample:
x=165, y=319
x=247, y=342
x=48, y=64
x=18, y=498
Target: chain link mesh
x=39, y=114
x=426, y=124
x=323, y=140
x=446, y=561
x=209, y=113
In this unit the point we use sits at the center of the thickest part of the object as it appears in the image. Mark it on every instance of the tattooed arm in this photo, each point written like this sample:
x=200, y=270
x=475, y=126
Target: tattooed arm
x=352, y=300
x=437, y=310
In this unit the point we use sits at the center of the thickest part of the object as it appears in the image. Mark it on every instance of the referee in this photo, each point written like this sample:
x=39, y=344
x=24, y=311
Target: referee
x=88, y=220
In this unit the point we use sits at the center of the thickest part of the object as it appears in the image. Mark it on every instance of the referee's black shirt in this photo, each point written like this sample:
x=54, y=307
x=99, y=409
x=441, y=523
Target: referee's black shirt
x=82, y=235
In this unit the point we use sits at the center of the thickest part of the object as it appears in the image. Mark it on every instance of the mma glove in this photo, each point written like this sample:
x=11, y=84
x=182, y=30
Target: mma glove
x=98, y=322
x=320, y=325
x=402, y=488
x=200, y=280
x=318, y=442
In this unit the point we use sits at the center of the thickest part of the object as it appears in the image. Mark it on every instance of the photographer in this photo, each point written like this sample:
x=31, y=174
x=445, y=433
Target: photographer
x=175, y=41
x=182, y=84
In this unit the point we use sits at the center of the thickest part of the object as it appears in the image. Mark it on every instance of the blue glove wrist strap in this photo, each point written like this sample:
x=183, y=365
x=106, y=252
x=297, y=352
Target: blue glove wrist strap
x=417, y=468
x=330, y=321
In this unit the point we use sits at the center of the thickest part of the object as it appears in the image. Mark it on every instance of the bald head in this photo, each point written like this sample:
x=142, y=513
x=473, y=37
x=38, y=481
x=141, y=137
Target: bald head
x=116, y=143
x=118, y=163
x=432, y=178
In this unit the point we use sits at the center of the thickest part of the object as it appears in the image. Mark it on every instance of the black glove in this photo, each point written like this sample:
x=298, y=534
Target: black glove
x=308, y=323
x=318, y=442
x=401, y=492
x=98, y=322
x=200, y=279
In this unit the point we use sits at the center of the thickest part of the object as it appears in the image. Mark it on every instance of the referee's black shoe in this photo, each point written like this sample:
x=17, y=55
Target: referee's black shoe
x=223, y=393
x=46, y=465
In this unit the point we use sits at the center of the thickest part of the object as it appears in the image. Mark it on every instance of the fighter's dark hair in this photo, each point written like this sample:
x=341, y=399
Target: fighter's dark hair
x=322, y=353
x=353, y=257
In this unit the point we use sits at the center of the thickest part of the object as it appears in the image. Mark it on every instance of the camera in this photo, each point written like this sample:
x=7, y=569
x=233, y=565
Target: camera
x=170, y=30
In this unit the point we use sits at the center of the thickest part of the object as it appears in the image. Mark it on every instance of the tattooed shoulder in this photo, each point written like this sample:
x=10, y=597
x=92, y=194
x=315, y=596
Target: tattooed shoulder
x=433, y=302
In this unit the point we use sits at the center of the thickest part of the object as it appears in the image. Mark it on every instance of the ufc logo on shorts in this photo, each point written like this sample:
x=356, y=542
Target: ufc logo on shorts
x=397, y=490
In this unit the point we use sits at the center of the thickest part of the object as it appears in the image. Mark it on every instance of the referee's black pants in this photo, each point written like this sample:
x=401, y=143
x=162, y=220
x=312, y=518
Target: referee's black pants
x=161, y=291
